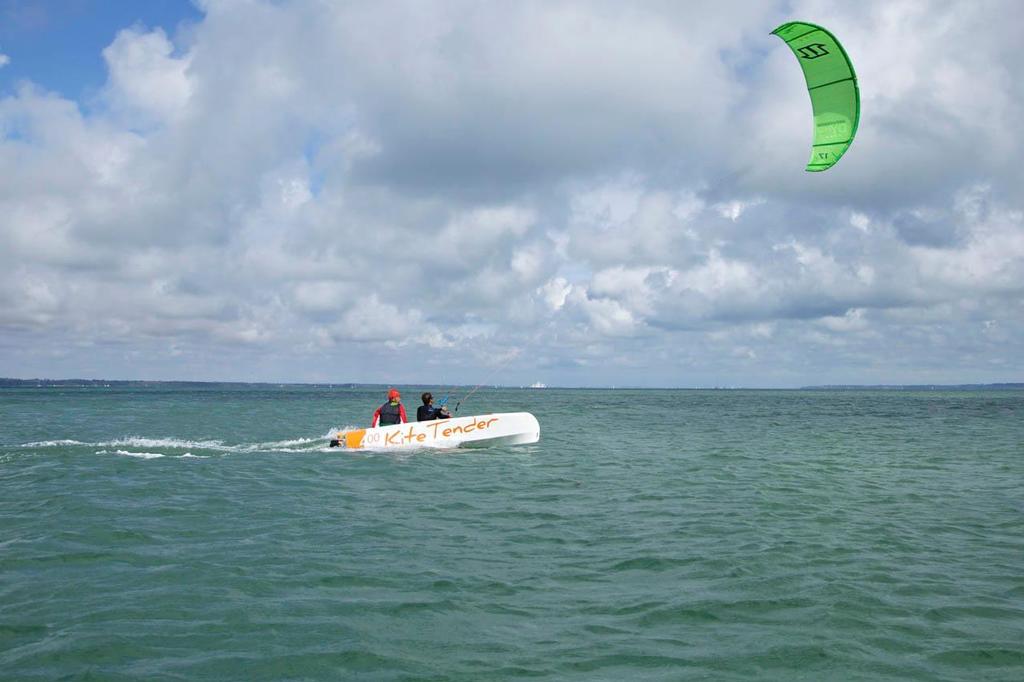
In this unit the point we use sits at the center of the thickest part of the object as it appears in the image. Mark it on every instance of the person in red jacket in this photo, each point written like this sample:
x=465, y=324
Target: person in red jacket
x=391, y=412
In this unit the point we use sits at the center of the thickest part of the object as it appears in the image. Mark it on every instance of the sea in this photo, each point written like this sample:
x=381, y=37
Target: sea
x=207, y=532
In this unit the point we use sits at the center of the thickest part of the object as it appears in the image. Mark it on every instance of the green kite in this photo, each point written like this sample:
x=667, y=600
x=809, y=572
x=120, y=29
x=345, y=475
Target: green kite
x=832, y=85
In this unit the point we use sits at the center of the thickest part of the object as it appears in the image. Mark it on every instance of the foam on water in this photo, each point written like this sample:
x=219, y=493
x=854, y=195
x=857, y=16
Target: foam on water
x=128, y=453
x=150, y=455
x=143, y=442
x=302, y=444
x=52, y=443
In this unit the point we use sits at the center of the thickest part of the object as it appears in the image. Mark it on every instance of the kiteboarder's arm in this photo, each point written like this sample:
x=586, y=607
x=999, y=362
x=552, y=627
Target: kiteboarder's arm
x=401, y=413
x=376, y=417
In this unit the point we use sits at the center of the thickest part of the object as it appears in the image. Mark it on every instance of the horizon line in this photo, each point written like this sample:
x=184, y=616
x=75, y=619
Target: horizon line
x=359, y=384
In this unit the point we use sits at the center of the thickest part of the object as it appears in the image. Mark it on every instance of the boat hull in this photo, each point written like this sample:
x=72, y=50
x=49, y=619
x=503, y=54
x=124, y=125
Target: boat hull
x=481, y=431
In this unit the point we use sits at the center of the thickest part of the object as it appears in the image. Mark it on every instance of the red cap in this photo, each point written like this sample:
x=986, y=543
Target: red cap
x=393, y=394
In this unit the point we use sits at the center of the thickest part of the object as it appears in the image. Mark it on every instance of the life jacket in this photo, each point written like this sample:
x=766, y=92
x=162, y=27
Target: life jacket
x=426, y=413
x=389, y=414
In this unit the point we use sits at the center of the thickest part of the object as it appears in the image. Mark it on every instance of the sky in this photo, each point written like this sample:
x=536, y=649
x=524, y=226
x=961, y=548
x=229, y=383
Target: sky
x=574, y=193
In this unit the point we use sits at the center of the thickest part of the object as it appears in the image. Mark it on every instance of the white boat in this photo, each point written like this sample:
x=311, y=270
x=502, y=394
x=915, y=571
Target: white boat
x=485, y=430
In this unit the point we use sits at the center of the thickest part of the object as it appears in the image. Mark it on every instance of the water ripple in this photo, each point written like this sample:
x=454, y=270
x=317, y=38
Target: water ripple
x=762, y=535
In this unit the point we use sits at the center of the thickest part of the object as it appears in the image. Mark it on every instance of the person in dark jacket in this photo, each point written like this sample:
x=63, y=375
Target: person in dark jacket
x=427, y=412
x=391, y=412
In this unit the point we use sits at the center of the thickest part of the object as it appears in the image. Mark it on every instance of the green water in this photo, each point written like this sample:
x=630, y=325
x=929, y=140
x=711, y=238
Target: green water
x=655, y=535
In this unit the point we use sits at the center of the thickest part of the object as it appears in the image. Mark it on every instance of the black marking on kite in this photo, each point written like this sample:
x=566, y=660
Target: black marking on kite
x=823, y=85
x=813, y=51
x=803, y=34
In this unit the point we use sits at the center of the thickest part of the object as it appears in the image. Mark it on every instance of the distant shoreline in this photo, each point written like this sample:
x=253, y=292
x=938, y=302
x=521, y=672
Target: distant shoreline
x=88, y=383
x=1005, y=386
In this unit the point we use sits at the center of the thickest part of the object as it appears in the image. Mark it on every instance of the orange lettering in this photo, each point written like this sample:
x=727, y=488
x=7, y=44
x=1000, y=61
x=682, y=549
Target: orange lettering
x=446, y=433
x=393, y=438
x=420, y=437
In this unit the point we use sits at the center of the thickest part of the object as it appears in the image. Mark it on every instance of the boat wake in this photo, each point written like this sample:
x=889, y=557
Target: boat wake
x=142, y=447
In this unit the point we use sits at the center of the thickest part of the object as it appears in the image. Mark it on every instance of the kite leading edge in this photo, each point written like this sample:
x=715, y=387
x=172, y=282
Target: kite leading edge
x=832, y=85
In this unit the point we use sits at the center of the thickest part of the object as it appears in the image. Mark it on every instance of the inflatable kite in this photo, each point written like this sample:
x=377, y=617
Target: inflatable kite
x=832, y=85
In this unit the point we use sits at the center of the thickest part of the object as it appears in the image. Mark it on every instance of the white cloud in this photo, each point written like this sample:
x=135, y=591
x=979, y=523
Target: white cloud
x=145, y=77
x=608, y=317
x=555, y=292
x=610, y=187
x=853, y=320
